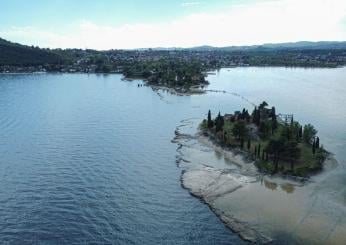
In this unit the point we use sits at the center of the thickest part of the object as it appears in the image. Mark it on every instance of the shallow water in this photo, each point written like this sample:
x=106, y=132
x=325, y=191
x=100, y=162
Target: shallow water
x=87, y=158
x=283, y=211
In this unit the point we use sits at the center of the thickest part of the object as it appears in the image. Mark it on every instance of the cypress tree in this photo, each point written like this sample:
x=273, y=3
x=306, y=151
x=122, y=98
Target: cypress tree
x=273, y=112
x=259, y=151
x=243, y=114
x=219, y=122
x=254, y=114
x=314, y=147
x=210, y=123
x=242, y=143
x=248, y=144
x=255, y=152
x=301, y=132
x=274, y=121
x=263, y=152
x=317, y=142
x=258, y=118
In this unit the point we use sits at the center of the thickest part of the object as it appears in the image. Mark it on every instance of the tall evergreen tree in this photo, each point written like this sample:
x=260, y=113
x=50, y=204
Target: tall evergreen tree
x=287, y=132
x=317, y=142
x=301, y=132
x=276, y=147
x=291, y=152
x=314, y=147
x=309, y=133
x=274, y=120
x=210, y=122
x=242, y=143
x=219, y=122
x=254, y=115
x=248, y=144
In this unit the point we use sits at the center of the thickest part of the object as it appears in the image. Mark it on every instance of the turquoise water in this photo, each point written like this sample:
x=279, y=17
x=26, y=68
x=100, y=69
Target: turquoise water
x=89, y=158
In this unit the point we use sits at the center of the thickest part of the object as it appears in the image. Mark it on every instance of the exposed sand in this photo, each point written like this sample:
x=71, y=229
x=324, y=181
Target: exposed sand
x=260, y=208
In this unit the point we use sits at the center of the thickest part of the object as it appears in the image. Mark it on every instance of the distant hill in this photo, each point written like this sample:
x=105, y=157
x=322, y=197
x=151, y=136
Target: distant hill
x=15, y=54
x=304, y=45
x=22, y=55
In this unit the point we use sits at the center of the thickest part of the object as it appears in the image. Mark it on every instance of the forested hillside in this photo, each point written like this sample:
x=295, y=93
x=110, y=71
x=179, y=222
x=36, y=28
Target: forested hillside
x=17, y=54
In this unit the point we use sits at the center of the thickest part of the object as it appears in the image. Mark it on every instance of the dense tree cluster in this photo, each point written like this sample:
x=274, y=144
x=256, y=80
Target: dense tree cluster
x=274, y=143
x=20, y=55
x=168, y=72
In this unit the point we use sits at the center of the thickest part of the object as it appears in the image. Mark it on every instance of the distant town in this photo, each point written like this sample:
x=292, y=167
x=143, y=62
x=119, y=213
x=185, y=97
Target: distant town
x=172, y=67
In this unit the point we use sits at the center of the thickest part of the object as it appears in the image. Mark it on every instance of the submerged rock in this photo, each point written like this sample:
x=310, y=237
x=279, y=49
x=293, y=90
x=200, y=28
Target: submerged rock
x=210, y=184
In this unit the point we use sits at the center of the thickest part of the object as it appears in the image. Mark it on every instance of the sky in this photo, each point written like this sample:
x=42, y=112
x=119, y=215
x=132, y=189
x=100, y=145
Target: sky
x=115, y=24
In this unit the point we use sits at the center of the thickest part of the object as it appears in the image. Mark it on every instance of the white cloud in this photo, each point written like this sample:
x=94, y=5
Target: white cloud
x=189, y=4
x=274, y=21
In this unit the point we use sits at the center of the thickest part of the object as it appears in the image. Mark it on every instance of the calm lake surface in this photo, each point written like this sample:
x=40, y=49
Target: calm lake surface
x=89, y=158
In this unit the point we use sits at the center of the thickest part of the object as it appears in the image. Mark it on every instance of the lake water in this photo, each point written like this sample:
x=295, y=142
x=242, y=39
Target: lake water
x=89, y=158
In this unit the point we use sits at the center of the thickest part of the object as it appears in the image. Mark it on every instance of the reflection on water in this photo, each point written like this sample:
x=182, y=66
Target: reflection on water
x=270, y=185
x=288, y=188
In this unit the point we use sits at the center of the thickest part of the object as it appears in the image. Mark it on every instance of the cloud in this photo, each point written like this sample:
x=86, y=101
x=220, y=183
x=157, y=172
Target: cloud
x=265, y=22
x=189, y=4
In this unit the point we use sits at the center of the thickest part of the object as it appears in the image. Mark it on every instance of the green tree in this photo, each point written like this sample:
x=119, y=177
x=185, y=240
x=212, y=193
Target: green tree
x=256, y=116
x=274, y=120
x=287, y=132
x=264, y=128
x=314, y=147
x=300, y=132
x=219, y=123
x=276, y=147
x=309, y=133
x=317, y=142
x=291, y=153
x=239, y=130
x=210, y=122
x=242, y=143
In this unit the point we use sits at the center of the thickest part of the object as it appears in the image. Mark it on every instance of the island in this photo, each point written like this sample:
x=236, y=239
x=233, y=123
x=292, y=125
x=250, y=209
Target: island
x=275, y=142
x=179, y=75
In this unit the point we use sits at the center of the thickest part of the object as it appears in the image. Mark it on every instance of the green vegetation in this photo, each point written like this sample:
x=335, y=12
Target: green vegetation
x=277, y=143
x=168, y=72
x=21, y=55
x=182, y=69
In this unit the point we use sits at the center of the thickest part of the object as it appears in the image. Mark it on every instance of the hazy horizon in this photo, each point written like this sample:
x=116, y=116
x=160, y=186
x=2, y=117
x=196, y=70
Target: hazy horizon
x=178, y=48
x=106, y=24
